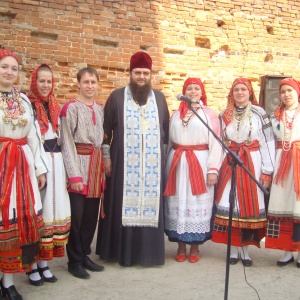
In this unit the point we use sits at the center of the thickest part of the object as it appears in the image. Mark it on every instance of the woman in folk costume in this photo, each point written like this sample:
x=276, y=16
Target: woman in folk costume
x=192, y=171
x=55, y=198
x=22, y=175
x=283, y=229
x=248, y=132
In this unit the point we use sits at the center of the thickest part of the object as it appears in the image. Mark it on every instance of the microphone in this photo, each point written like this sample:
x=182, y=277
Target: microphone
x=181, y=97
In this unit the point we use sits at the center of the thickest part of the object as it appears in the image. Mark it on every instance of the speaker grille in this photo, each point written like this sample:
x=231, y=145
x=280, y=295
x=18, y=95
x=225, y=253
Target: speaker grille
x=269, y=92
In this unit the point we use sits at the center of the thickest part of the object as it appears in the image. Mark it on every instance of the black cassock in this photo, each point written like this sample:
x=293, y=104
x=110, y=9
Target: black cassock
x=129, y=245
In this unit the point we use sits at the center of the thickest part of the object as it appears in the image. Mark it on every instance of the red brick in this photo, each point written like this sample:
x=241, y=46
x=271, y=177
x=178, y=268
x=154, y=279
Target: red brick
x=155, y=25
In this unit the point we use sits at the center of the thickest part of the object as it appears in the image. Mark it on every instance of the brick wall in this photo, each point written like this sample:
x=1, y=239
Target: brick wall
x=216, y=40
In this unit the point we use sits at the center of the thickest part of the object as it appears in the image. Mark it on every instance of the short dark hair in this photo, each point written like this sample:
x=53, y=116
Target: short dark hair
x=91, y=71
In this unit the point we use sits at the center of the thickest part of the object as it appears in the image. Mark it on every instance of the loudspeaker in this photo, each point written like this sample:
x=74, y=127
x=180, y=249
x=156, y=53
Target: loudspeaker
x=269, y=92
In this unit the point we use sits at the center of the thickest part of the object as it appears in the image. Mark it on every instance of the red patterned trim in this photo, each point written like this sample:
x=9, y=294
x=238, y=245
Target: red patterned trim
x=242, y=223
x=75, y=179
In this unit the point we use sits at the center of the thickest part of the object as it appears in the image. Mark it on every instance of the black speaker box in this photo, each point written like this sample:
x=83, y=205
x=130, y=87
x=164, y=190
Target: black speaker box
x=269, y=91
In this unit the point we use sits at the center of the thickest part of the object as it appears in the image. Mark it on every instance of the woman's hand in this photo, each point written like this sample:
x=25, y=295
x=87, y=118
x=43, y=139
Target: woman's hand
x=107, y=166
x=265, y=180
x=41, y=181
x=265, y=183
x=212, y=179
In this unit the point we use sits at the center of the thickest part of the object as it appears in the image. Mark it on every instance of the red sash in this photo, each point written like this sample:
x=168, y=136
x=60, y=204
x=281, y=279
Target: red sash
x=12, y=157
x=285, y=164
x=246, y=188
x=195, y=170
x=96, y=177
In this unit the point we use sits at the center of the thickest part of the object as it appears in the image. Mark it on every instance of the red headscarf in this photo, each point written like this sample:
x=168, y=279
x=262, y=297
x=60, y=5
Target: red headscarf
x=227, y=116
x=37, y=100
x=296, y=86
x=183, y=107
x=4, y=53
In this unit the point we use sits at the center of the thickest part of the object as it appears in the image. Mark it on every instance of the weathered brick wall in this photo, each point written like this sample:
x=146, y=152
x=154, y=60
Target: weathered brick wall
x=216, y=40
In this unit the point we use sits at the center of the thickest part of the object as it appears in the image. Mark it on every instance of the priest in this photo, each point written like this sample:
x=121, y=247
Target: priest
x=136, y=125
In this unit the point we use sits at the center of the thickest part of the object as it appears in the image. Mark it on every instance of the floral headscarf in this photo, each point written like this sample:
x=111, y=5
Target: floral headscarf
x=183, y=107
x=227, y=116
x=296, y=86
x=37, y=100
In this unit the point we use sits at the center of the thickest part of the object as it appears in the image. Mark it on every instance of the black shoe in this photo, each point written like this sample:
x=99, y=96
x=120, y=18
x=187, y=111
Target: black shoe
x=11, y=292
x=233, y=260
x=247, y=262
x=78, y=271
x=38, y=282
x=298, y=264
x=284, y=263
x=46, y=279
x=90, y=265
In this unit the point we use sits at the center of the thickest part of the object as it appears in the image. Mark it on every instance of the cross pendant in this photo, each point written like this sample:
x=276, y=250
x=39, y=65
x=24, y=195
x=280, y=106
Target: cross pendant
x=145, y=124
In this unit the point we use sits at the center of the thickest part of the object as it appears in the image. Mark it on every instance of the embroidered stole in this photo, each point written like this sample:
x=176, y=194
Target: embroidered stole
x=142, y=162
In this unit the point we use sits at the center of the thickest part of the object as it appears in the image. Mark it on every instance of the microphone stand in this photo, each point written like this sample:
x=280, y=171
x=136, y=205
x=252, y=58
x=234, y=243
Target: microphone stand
x=233, y=161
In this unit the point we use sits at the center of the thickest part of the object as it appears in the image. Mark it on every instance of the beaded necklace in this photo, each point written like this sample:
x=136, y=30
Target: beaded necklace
x=240, y=116
x=186, y=119
x=11, y=104
x=288, y=128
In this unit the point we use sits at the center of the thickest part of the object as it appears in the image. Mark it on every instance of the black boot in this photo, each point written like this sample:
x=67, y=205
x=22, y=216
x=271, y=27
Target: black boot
x=11, y=292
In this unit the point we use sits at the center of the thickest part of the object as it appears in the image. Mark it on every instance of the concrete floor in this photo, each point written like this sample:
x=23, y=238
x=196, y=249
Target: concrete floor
x=182, y=281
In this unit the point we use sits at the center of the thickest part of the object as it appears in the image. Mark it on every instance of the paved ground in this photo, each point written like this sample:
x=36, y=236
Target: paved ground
x=182, y=281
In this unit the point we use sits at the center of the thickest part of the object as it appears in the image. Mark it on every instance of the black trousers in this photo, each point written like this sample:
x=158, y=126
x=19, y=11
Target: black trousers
x=84, y=217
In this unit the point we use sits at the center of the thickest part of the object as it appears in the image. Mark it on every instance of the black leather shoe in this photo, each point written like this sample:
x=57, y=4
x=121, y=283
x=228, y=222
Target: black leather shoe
x=284, y=263
x=78, y=271
x=11, y=292
x=46, y=279
x=233, y=260
x=38, y=282
x=298, y=264
x=247, y=262
x=90, y=265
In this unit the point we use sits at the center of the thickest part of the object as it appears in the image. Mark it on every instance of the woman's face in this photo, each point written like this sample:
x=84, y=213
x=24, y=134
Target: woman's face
x=241, y=95
x=44, y=82
x=288, y=96
x=9, y=71
x=193, y=91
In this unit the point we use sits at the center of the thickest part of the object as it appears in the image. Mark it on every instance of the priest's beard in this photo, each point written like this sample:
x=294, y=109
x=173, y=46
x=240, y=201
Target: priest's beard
x=140, y=93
